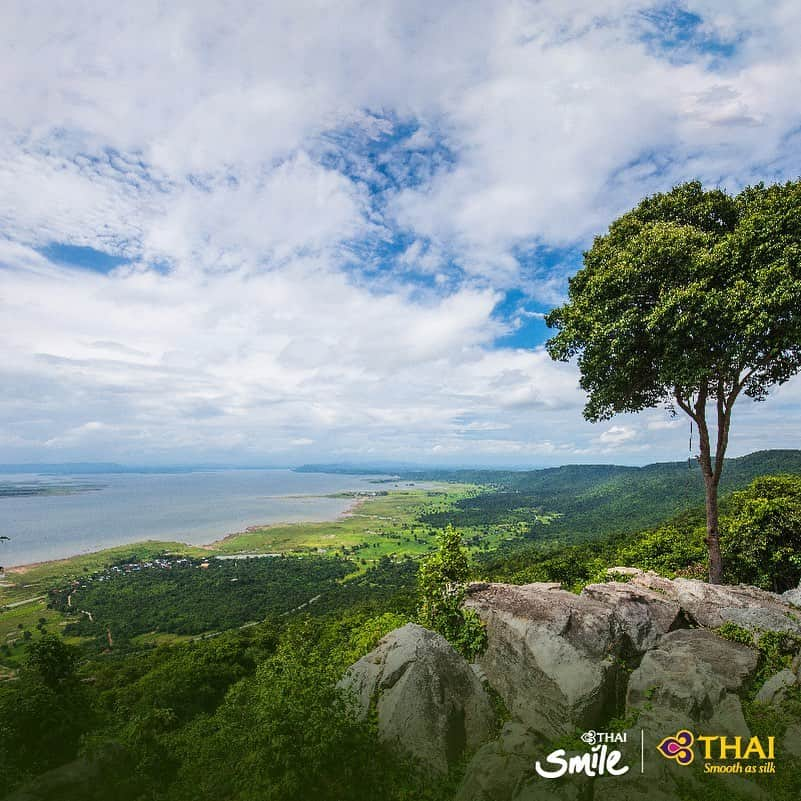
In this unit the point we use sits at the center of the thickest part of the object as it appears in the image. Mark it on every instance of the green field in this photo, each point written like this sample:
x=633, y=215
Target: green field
x=380, y=526
x=384, y=525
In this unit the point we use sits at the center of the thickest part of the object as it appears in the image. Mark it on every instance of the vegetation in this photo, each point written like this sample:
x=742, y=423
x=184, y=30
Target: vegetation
x=441, y=580
x=163, y=722
x=762, y=533
x=386, y=524
x=191, y=597
x=44, y=713
x=765, y=557
x=580, y=502
x=691, y=299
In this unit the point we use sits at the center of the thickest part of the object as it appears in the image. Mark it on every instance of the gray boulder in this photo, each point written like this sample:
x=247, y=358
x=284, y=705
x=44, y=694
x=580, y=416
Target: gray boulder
x=693, y=676
x=651, y=581
x=499, y=769
x=793, y=596
x=551, y=655
x=429, y=702
x=774, y=690
x=791, y=742
x=712, y=605
x=643, y=614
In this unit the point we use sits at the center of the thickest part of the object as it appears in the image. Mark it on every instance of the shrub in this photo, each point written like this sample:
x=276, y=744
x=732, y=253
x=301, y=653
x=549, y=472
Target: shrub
x=441, y=582
x=669, y=549
x=761, y=533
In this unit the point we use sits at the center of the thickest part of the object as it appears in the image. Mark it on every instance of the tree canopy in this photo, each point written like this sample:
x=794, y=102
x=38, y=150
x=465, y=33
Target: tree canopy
x=689, y=290
x=691, y=299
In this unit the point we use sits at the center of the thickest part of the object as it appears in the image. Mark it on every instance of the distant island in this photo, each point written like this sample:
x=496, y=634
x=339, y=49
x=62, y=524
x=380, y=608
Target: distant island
x=16, y=489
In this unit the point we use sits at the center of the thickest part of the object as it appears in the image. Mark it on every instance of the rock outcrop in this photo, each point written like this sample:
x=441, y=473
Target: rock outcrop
x=551, y=655
x=774, y=690
x=430, y=703
x=643, y=614
x=556, y=658
x=564, y=663
x=691, y=678
x=712, y=605
x=793, y=596
x=499, y=769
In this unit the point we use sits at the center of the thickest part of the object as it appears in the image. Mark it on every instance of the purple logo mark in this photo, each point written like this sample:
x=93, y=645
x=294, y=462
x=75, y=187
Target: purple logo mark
x=678, y=747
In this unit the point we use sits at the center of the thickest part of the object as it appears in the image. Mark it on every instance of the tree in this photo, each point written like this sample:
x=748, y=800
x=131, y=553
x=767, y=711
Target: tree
x=691, y=299
x=761, y=533
x=441, y=583
x=51, y=659
x=295, y=735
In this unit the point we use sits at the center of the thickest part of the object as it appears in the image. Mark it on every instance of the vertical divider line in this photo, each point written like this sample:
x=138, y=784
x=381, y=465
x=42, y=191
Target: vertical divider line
x=642, y=751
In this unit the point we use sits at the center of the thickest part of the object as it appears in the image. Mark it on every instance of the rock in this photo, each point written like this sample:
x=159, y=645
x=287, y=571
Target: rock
x=693, y=676
x=664, y=779
x=728, y=717
x=775, y=688
x=429, y=702
x=712, y=605
x=630, y=572
x=791, y=742
x=550, y=654
x=793, y=596
x=560, y=662
x=643, y=614
x=795, y=666
x=499, y=768
x=651, y=581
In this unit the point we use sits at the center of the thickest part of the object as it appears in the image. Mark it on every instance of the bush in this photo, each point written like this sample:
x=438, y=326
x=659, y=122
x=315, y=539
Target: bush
x=668, y=550
x=761, y=534
x=441, y=580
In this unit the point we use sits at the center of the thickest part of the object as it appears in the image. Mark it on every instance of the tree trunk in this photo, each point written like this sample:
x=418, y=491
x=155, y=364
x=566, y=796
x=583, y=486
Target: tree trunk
x=712, y=533
x=711, y=480
x=697, y=412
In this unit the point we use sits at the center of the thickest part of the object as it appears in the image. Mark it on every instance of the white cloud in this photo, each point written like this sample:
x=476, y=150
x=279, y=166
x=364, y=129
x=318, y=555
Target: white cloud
x=250, y=365
x=259, y=165
x=615, y=436
x=666, y=424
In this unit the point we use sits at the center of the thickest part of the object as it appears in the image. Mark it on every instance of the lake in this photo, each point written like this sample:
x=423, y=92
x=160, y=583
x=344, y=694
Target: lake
x=192, y=507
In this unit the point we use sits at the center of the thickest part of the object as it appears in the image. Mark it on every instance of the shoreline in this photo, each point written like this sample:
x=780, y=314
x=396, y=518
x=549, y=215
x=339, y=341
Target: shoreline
x=347, y=512
x=26, y=567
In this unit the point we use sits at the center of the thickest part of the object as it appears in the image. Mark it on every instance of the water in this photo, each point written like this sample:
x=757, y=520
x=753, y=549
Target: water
x=195, y=508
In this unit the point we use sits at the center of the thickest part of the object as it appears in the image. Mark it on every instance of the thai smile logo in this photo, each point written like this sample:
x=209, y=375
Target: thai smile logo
x=679, y=747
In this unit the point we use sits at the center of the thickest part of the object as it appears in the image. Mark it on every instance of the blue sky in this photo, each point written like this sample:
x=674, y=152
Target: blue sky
x=331, y=232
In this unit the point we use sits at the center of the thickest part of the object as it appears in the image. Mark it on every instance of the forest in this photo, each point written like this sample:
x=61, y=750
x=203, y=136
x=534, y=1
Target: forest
x=192, y=596
x=589, y=500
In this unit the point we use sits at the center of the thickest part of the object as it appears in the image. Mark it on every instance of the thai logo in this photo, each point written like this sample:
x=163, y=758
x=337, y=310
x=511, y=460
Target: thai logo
x=679, y=747
x=592, y=737
x=601, y=760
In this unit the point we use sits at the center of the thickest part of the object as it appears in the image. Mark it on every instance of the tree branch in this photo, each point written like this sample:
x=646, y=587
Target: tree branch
x=703, y=431
x=723, y=412
x=684, y=405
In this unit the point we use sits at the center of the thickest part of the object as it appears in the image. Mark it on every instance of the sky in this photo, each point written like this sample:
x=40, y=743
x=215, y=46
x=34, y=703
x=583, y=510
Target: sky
x=291, y=232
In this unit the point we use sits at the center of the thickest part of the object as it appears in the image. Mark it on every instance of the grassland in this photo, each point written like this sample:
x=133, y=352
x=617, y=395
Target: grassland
x=382, y=525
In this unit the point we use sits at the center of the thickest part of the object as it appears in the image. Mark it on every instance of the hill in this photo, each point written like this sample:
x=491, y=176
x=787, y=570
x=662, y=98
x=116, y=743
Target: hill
x=590, y=500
